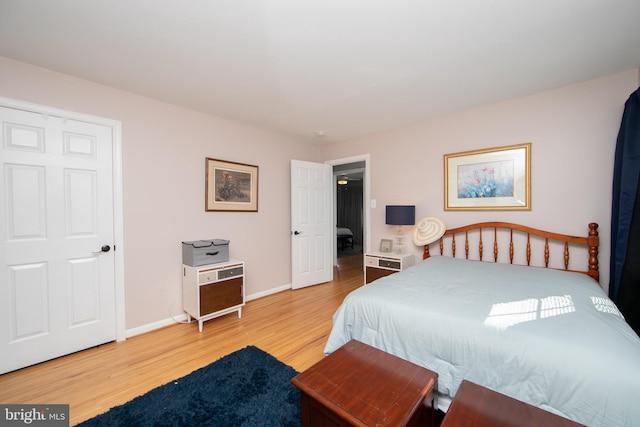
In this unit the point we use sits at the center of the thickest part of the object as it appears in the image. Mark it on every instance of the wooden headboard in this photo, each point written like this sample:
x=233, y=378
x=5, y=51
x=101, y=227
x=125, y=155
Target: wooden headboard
x=591, y=241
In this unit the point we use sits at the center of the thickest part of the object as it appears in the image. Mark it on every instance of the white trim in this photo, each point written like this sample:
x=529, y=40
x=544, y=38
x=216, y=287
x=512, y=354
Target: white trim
x=268, y=292
x=118, y=223
x=118, y=232
x=182, y=318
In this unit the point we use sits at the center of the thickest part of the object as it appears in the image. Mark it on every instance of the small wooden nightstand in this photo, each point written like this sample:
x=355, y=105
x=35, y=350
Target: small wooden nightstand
x=212, y=290
x=378, y=264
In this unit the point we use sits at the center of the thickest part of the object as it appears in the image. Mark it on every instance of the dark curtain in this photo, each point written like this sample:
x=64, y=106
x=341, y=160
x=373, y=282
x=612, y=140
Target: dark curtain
x=624, y=286
x=349, y=210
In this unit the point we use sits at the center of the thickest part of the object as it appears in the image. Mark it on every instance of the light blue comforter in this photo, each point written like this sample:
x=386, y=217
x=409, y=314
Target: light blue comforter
x=549, y=338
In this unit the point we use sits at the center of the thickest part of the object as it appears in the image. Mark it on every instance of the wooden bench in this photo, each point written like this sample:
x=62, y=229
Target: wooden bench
x=477, y=406
x=359, y=385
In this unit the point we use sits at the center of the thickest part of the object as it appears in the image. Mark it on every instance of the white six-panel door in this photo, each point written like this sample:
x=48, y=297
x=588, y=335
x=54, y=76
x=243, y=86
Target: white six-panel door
x=312, y=230
x=57, y=291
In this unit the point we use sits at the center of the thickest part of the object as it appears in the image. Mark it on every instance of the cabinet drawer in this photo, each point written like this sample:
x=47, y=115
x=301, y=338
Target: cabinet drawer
x=373, y=262
x=396, y=265
x=220, y=295
x=231, y=272
x=383, y=263
x=215, y=274
x=207, y=276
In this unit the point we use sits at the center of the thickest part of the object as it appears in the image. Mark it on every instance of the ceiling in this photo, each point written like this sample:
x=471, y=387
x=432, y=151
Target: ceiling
x=325, y=71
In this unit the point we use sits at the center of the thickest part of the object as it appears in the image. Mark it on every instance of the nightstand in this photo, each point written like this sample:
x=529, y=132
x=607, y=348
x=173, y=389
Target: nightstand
x=212, y=290
x=379, y=264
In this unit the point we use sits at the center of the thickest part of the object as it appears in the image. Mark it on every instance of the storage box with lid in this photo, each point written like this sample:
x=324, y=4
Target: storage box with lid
x=202, y=252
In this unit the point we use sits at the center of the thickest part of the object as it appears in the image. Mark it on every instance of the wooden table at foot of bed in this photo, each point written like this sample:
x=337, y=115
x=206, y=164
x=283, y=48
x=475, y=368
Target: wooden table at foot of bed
x=477, y=406
x=359, y=385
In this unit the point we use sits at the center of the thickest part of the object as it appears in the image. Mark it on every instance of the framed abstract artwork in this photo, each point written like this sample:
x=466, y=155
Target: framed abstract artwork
x=231, y=186
x=490, y=179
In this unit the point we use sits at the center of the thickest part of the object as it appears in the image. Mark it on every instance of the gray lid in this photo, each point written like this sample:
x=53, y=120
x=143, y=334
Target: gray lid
x=206, y=243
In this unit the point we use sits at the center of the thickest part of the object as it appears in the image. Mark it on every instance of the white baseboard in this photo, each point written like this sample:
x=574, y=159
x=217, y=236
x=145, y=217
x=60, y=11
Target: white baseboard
x=182, y=318
x=268, y=292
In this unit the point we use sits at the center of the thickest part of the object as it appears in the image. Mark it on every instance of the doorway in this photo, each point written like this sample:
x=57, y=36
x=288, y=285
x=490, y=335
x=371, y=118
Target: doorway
x=351, y=199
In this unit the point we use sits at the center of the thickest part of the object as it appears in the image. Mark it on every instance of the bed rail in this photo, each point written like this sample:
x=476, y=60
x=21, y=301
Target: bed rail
x=591, y=241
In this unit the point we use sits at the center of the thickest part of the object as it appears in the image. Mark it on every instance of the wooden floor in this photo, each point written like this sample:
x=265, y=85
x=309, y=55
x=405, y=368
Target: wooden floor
x=291, y=325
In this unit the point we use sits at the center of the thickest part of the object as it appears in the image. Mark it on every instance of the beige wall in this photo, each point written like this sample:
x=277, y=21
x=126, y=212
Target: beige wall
x=573, y=133
x=572, y=129
x=164, y=151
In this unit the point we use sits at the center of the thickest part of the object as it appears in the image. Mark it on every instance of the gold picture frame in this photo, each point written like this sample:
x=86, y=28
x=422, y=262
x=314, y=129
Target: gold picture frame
x=231, y=186
x=492, y=179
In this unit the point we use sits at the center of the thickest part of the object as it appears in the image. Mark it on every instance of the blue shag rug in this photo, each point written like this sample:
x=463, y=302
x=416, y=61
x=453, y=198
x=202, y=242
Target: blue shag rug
x=246, y=388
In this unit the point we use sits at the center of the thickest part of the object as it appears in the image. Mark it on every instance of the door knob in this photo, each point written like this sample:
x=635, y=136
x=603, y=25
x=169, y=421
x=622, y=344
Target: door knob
x=297, y=232
x=104, y=248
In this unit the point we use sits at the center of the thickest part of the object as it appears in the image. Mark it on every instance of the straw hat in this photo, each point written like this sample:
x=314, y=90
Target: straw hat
x=428, y=230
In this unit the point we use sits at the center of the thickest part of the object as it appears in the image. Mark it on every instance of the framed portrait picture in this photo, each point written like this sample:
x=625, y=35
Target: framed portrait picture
x=231, y=186
x=386, y=245
x=490, y=179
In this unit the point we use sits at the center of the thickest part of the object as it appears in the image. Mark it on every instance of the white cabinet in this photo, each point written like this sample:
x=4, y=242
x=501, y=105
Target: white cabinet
x=213, y=290
x=377, y=265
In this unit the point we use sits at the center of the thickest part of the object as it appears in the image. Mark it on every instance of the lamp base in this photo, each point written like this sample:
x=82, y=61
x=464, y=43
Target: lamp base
x=400, y=245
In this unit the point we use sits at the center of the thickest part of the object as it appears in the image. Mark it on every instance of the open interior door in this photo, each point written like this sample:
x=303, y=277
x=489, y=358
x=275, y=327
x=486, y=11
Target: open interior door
x=312, y=231
x=57, y=272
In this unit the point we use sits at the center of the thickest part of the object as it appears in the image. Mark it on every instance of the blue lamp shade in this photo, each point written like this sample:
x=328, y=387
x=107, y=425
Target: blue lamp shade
x=401, y=215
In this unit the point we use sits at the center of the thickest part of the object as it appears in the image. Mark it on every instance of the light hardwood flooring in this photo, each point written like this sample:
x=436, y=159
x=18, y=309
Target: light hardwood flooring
x=291, y=325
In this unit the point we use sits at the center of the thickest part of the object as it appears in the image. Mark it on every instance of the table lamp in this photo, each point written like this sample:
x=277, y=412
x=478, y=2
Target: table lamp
x=400, y=215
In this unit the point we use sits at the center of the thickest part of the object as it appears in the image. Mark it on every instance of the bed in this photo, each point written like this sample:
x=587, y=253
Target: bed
x=345, y=238
x=548, y=336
